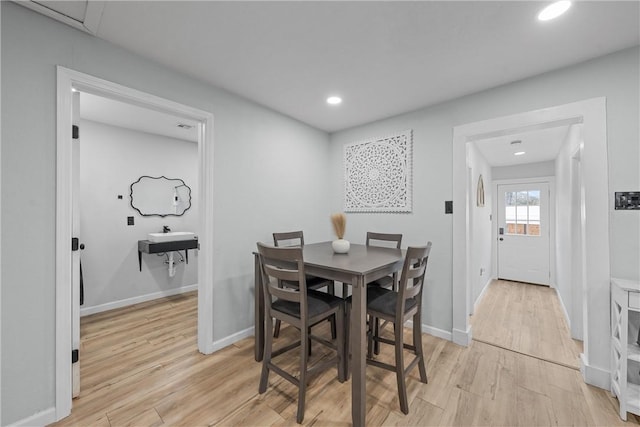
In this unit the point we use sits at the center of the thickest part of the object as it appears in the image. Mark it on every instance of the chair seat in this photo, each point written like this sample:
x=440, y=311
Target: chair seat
x=385, y=282
x=384, y=301
x=313, y=282
x=317, y=303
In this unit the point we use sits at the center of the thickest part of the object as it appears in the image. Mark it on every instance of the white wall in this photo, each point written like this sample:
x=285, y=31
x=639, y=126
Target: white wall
x=256, y=151
x=481, y=225
x=568, y=279
x=614, y=76
x=527, y=170
x=111, y=158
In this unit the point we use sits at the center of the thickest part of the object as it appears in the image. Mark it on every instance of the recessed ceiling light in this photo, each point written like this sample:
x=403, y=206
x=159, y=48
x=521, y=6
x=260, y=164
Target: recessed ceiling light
x=334, y=100
x=518, y=153
x=554, y=10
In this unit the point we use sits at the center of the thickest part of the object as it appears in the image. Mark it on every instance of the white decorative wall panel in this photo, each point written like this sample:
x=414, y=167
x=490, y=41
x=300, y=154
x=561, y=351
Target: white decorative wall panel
x=378, y=174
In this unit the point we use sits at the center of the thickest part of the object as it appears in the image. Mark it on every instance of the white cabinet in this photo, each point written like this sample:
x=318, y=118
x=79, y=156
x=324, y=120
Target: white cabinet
x=625, y=351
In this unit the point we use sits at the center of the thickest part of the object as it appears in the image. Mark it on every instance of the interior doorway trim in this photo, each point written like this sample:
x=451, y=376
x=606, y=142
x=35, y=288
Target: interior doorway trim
x=592, y=113
x=68, y=80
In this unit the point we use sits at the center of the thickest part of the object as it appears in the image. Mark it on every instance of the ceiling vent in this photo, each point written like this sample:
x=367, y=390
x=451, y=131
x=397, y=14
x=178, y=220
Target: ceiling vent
x=83, y=15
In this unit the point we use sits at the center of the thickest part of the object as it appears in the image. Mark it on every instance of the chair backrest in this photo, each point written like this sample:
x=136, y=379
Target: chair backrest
x=289, y=238
x=384, y=239
x=283, y=264
x=412, y=277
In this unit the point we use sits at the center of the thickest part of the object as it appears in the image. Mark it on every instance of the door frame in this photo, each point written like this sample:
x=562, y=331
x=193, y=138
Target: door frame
x=595, y=365
x=551, y=182
x=67, y=80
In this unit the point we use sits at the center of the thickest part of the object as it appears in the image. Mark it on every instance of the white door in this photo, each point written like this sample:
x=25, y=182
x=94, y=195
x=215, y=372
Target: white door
x=76, y=246
x=523, y=232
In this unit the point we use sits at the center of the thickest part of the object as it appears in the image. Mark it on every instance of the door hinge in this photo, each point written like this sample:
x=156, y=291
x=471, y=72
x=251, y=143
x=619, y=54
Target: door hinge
x=75, y=355
x=74, y=244
x=75, y=132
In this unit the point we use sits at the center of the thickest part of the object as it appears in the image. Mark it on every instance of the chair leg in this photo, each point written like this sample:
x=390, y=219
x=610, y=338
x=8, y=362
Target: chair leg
x=332, y=320
x=340, y=345
x=347, y=342
x=276, y=330
x=402, y=384
x=302, y=380
x=345, y=290
x=376, y=333
x=417, y=343
x=370, y=336
x=266, y=359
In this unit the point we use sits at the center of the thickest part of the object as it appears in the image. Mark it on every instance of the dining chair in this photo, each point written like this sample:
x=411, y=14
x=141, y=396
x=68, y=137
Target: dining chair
x=398, y=307
x=302, y=308
x=296, y=238
x=383, y=240
x=386, y=240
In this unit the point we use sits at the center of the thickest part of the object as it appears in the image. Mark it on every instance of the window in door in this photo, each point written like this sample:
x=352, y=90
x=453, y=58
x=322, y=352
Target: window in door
x=522, y=212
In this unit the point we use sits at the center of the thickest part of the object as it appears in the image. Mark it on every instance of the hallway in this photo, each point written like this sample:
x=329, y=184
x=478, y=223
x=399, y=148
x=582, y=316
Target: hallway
x=527, y=319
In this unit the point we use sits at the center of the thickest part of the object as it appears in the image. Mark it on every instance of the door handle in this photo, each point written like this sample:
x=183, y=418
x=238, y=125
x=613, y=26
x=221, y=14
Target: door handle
x=82, y=246
x=501, y=239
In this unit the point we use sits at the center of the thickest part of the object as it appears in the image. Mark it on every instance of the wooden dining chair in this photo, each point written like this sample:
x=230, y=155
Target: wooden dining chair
x=296, y=238
x=398, y=307
x=302, y=308
x=383, y=240
x=386, y=240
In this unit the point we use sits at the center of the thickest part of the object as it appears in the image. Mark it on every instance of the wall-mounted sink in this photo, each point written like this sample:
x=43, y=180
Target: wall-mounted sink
x=171, y=236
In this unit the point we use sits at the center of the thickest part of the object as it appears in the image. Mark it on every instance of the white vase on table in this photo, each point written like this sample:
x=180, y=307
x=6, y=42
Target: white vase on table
x=340, y=246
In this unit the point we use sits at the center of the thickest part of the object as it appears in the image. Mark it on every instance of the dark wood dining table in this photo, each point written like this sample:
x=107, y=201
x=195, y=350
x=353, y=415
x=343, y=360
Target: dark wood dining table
x=361, y=265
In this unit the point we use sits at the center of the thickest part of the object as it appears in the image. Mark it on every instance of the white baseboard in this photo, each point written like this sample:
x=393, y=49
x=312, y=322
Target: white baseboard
x=42, y=418
x=461, y=337
x=594, y=376
x=136, y=300
x=436, y=332
x=482, y=293
x=227, y=341
x=564, y=309
x=431, y=330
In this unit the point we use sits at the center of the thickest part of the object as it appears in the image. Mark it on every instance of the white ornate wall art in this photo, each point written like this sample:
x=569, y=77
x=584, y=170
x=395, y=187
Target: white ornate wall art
x=378, y=174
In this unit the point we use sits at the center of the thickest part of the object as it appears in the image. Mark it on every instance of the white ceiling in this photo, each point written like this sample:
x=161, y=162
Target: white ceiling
x=539, y=145
x=383, y=58
x=116, y=113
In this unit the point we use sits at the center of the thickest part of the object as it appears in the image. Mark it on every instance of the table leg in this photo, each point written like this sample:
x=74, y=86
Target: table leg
x=259, y=311
x=358, y=351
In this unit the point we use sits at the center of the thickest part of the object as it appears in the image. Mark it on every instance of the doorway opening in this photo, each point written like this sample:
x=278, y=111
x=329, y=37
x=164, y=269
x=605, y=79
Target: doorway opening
x=67, y=307
x=524, y=231
x=594, y=363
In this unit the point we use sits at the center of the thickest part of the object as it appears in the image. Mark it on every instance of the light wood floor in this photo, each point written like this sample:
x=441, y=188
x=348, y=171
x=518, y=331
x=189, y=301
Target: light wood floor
x=528, y=319
x=140, y=366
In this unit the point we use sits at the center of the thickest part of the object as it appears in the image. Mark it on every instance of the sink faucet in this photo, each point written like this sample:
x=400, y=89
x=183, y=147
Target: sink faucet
x=165, y=229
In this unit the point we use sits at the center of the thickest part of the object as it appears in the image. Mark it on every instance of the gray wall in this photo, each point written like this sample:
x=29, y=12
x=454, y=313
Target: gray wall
x=111, y=158
x=481, y=225
x=568, y=241
x=614, y=76
x=256, y=151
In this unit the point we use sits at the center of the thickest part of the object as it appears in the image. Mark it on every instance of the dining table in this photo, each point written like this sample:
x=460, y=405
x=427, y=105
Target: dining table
x=360, y=265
